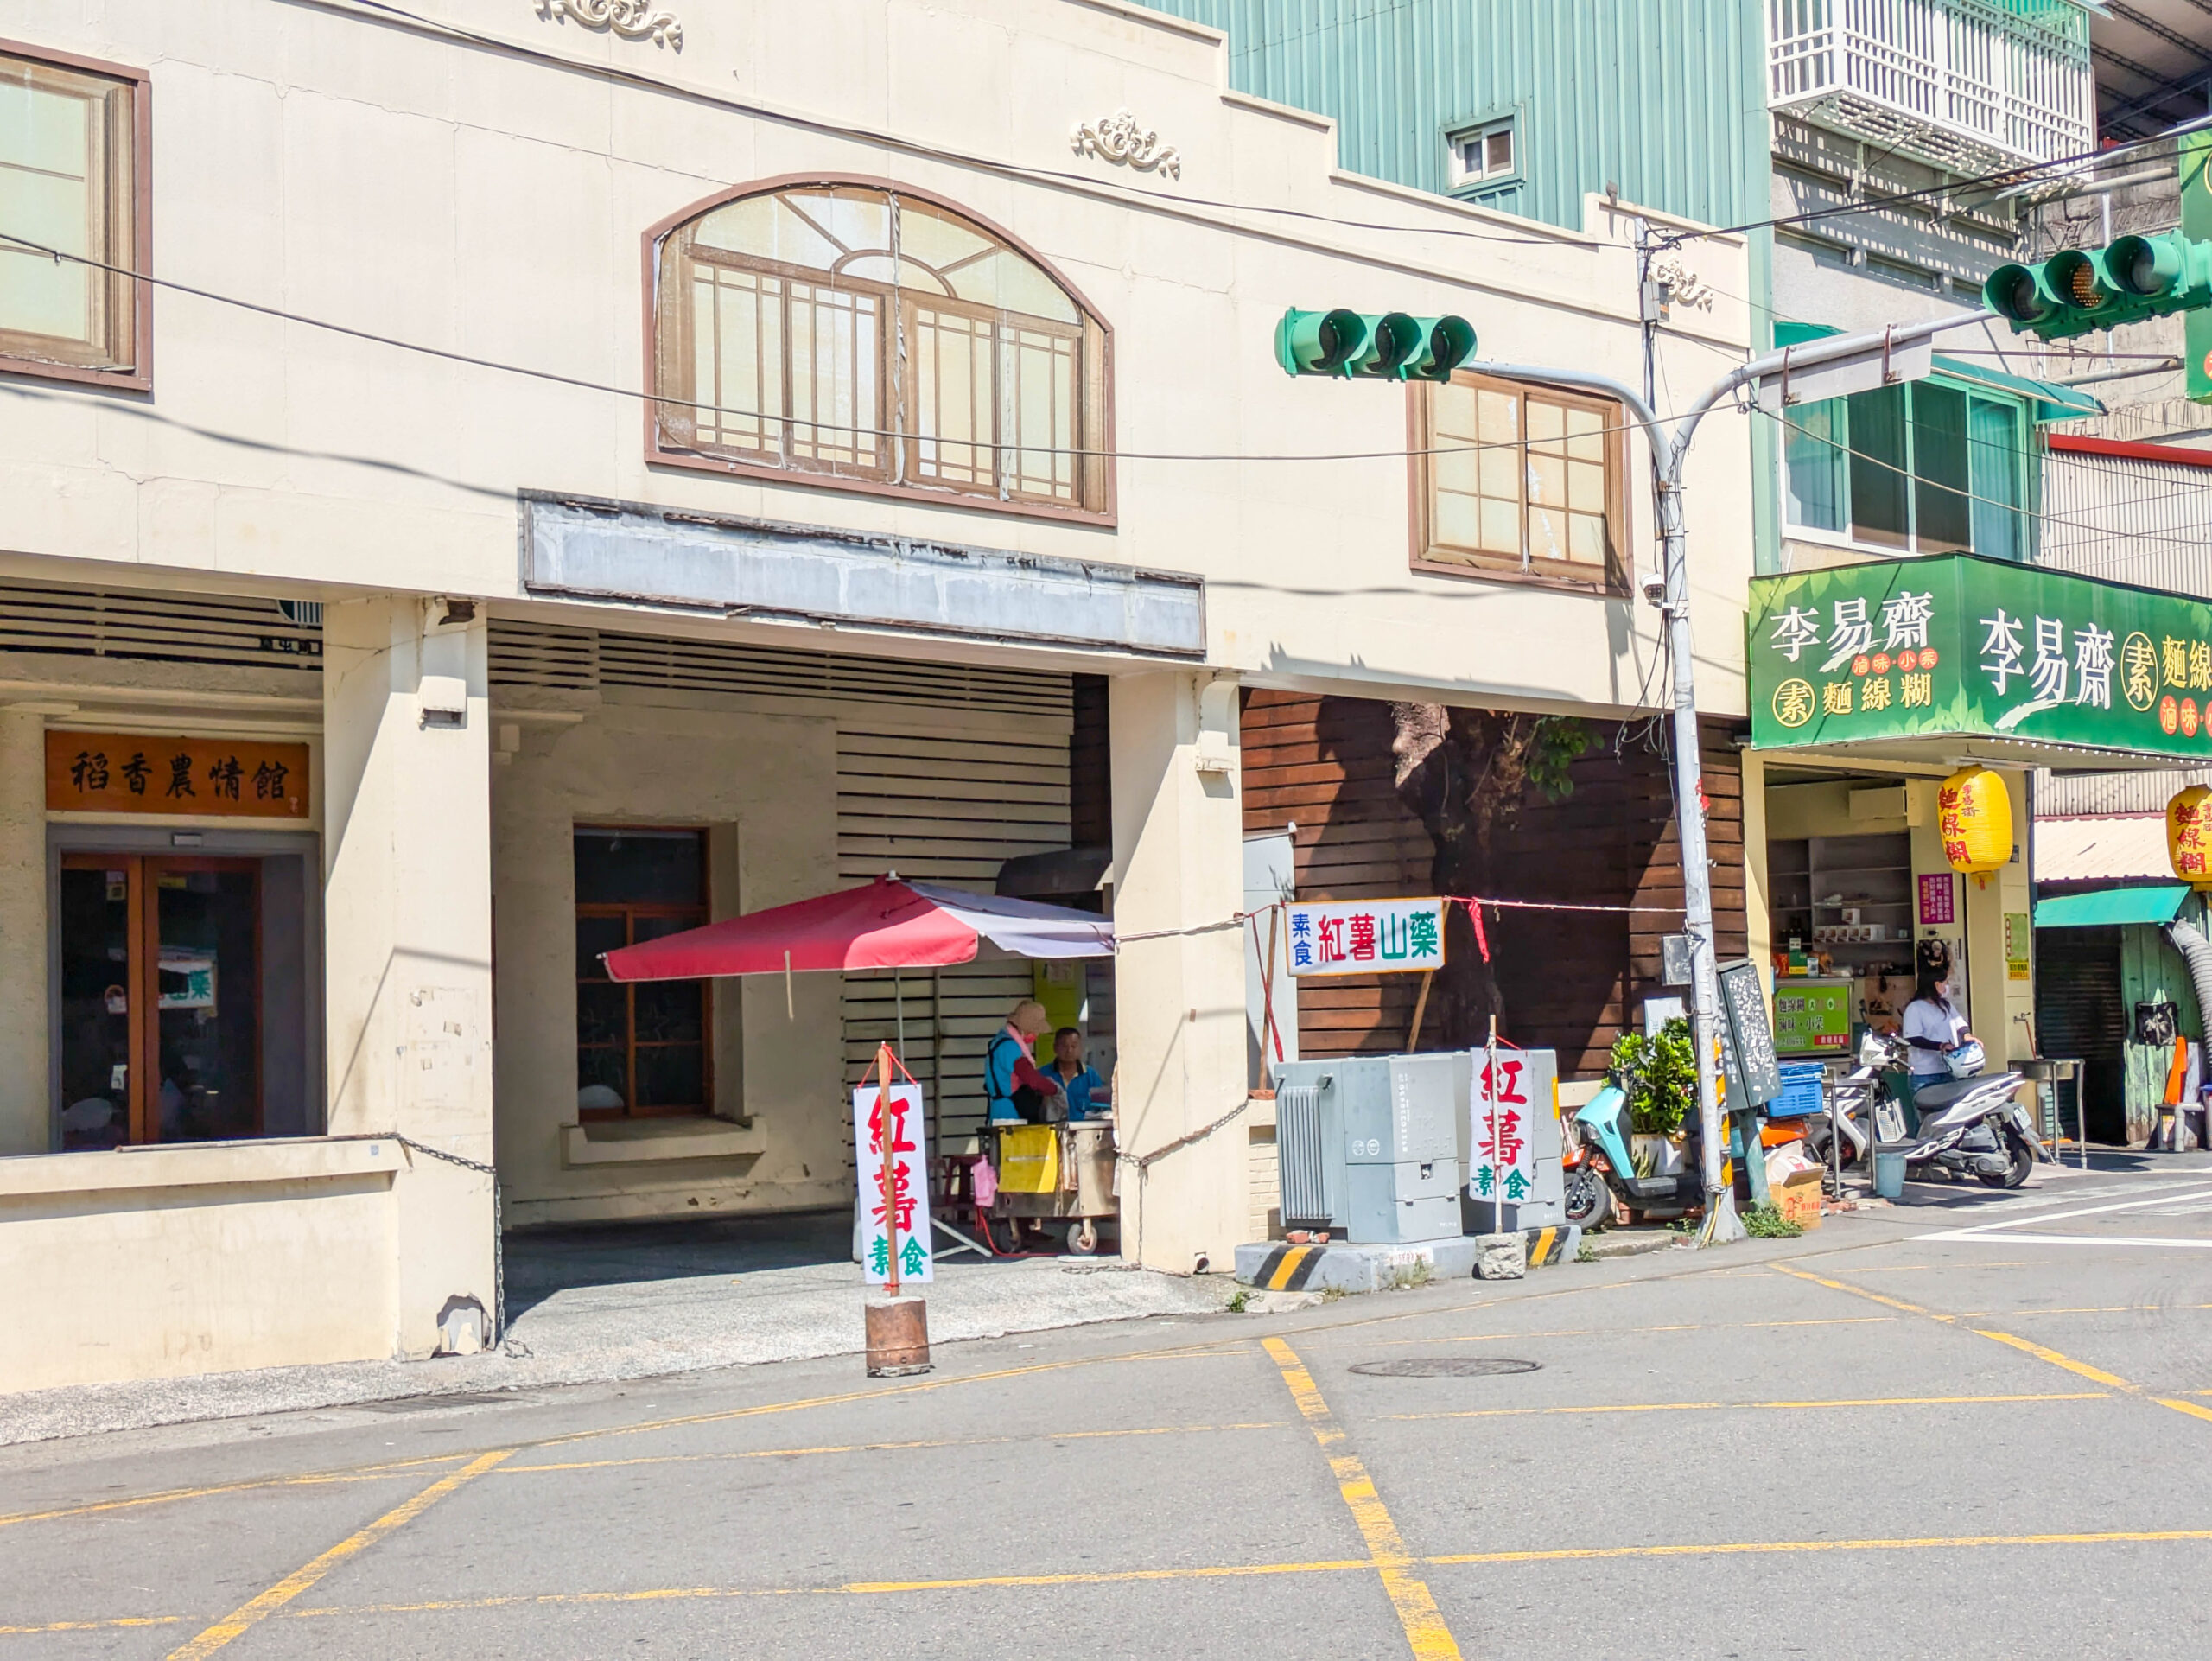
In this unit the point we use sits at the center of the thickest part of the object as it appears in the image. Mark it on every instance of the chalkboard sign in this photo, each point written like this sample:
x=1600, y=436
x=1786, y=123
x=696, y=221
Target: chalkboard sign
x=1743, y=1006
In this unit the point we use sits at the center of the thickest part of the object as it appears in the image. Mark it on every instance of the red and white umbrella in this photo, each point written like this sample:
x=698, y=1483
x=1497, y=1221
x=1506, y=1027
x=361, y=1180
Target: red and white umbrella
x=888, y=924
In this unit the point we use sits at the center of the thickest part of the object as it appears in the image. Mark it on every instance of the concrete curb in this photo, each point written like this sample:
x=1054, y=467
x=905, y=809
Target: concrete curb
x=1273, y=1266
x=1631, y=1243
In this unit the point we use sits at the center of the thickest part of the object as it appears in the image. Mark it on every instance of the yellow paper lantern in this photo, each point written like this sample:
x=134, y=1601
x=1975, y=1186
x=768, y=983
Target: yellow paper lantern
x=2188, y=836
x=1974, y=814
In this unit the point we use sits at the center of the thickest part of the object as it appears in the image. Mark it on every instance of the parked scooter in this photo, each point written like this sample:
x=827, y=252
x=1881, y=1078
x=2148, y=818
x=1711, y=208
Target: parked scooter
x=1971, y=1124
x=1600, y=1170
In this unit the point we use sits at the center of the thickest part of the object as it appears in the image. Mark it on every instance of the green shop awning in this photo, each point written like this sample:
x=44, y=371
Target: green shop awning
x=2052, y=400
x=2157, y=904
x=1955, y=658
x=2049, y=400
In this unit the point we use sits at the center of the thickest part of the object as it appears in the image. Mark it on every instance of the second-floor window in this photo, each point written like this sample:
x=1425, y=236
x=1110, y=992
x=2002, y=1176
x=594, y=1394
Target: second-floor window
x=1520, y=480
x=1921, y=468
x=1479, y=155
x=852, y=332
x=69, y=186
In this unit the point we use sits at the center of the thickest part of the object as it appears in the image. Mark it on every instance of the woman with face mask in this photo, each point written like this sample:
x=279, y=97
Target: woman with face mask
x=1932, y=1024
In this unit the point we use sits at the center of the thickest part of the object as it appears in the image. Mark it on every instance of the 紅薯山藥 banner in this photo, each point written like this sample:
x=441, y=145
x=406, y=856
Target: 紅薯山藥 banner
x=1957, y=645
x=1364, y=937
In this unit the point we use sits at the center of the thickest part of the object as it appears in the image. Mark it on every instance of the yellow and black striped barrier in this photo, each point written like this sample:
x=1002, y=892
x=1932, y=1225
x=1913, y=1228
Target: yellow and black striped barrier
x=1287, y=1268
x=1552, y=1245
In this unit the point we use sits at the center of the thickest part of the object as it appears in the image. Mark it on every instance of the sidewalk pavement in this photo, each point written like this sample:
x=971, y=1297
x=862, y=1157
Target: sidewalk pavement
x=587, y=1306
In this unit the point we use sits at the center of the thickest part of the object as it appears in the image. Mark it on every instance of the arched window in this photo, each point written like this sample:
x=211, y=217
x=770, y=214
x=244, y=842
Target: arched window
x=867, y=334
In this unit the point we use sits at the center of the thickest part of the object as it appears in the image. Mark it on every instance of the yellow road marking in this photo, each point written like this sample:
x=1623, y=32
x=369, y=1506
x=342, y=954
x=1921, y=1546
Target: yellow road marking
x=1708, y=1407
x=1216, y=1571
x=2082, y=1309
x=1426, y=1635
x=1861, y=1292
x=2189, y=1408
x=2042, y=1352
x=1188, y=1352
x=889, y=1447
x=309, y=1479
x=2096, y=1375
x=251, y=1614
x=1931, y=1543
x=1636, y=1332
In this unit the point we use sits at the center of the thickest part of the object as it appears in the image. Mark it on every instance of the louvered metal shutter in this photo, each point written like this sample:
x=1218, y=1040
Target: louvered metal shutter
x=2079, y=1013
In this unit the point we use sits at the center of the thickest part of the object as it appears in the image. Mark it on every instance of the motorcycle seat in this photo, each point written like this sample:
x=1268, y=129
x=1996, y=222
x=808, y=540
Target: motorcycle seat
x=1926, y=1098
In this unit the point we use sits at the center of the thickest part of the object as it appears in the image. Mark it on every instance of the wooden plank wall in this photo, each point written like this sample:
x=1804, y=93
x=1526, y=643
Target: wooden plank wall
x=1323, y=766
x=1571, y=979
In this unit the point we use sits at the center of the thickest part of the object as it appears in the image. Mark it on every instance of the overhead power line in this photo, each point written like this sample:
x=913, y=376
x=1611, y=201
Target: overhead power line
x=582, y=384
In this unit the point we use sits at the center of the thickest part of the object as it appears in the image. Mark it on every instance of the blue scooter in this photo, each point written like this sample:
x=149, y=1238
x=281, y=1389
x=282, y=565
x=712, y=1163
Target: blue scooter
x=1600, y=1170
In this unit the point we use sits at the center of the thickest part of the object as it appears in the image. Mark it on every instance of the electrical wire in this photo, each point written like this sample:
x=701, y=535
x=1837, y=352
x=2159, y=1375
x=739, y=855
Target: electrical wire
x=2198, y=545
x=1996, y=181
x=693, y=403
x=912, y=146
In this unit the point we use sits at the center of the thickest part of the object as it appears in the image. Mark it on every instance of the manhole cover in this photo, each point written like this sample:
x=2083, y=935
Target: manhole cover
x=1445, y=1366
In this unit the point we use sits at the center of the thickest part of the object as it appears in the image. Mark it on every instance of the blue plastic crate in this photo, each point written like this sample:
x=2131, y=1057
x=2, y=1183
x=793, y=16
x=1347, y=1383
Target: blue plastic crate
x=1802, y=1082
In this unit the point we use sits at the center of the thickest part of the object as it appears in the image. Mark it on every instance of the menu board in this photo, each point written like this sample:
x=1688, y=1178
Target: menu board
x=1812, y=1017
x=1743, y=1008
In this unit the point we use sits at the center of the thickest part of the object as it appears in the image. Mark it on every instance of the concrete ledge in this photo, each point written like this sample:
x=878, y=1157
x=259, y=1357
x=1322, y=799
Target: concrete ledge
x=201, y=1164
x=623, y=1142
x=1273, y=1266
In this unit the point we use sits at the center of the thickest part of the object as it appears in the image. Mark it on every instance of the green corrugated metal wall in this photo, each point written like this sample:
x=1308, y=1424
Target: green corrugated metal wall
x=1664, y=97
x=2152, y=971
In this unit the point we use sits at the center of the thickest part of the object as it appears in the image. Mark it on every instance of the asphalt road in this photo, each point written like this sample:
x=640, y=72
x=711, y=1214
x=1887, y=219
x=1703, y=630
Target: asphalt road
x=1979, y=1425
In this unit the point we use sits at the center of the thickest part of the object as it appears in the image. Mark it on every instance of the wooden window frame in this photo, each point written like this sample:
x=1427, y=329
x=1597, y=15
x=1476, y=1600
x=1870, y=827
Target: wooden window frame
x=1572, y=576
x=703, y=910
x=665, y=259
x=141, y=975
x=139, y=377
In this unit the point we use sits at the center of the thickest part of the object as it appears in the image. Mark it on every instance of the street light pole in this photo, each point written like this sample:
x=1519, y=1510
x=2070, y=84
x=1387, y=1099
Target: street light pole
x=1838, y=352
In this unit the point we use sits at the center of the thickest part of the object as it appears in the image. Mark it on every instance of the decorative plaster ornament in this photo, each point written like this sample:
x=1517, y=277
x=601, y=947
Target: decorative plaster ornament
x=633, y=20
x=1119, y=139
x=1686, y=287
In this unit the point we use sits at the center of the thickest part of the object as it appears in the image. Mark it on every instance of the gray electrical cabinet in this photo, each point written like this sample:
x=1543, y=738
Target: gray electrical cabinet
x=1369, y=1146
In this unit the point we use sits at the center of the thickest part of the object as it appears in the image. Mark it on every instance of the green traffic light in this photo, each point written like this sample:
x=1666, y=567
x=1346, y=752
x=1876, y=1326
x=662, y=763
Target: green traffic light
x=1372, y=346
x=2084, y=290
x=2148, y=266
x=1319, y=342
x=1446, y=343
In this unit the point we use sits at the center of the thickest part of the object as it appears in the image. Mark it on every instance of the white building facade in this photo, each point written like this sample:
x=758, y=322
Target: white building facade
x=563, y=484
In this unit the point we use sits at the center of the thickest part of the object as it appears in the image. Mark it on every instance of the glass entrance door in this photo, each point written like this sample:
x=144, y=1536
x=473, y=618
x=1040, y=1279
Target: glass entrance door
x=160, y=999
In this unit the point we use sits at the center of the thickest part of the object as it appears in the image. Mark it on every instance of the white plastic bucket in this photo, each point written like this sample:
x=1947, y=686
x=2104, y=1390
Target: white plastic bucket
x=1889, y=1175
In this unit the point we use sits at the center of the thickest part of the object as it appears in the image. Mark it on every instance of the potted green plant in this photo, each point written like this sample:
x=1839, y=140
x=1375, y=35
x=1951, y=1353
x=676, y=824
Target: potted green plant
x=1659, y=1074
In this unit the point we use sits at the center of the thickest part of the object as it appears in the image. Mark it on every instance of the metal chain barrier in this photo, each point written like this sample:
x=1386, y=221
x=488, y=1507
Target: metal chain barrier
x=499, y=1231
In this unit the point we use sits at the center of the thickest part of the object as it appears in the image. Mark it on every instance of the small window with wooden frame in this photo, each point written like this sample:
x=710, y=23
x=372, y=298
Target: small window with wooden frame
x=76, y=218
x=644, y=1048
x=866, y=336
x=1511, y=478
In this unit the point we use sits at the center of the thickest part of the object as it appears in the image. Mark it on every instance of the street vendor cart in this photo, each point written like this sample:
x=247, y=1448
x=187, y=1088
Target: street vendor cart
x=1053, y=1171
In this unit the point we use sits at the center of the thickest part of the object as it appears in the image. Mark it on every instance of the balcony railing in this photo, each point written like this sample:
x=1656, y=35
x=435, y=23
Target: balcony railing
x=1967, y=85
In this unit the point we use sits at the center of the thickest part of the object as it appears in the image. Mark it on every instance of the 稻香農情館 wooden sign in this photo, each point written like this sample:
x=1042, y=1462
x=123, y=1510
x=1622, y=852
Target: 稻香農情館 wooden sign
x=136, y=772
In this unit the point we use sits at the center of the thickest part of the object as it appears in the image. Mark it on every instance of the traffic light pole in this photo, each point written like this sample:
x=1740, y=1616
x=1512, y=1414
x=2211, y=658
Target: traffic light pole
x=1669, y=451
